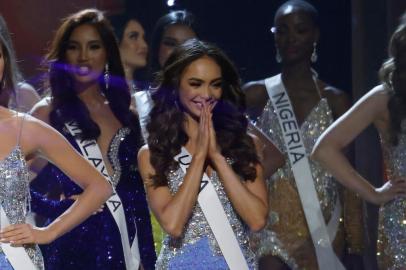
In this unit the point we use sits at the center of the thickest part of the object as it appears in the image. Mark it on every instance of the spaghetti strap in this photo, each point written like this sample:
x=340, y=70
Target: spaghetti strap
x=21, y=127
x=315, y=77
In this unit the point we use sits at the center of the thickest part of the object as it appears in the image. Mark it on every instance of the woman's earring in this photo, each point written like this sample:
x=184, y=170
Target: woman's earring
x=278, y=56
x=106, y=76
x=313, y=58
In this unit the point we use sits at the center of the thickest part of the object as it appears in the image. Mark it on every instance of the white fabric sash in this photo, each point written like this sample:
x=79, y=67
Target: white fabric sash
x=143, y=104
x=321, y=235
x=216, y=217
x=90, y=150
x=17, y=256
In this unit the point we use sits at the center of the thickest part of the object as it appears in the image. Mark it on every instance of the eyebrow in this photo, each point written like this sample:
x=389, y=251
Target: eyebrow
x=200, y=80
x=90, y=41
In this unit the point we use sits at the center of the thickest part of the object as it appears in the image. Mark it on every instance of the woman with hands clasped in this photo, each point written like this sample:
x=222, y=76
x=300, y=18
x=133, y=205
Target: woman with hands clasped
x=18, y=145
x=201, y=169
x=384, y=106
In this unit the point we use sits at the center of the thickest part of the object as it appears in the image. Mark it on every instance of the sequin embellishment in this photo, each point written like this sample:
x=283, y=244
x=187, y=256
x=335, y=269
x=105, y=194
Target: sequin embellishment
x=15, y=196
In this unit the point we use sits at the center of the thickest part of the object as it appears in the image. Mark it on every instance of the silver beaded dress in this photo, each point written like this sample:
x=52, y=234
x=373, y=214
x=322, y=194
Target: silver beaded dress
x=392, y=215
x=286, y=234
x=197, y=248
x=15, y=198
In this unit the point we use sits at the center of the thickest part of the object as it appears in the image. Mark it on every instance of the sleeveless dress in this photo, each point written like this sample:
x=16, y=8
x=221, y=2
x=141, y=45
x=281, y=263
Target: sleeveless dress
x=197, y=248
x=392, y=216
x=15, y=198
x=96, y=243
x=286, y=234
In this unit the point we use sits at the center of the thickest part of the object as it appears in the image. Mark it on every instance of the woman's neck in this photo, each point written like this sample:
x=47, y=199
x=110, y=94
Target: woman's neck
x=129, y=73
x=129, y=76
x=297, y=72
x=92, y=96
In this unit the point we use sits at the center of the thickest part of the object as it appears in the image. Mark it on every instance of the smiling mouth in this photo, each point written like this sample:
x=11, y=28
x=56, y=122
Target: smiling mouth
x=83, y=70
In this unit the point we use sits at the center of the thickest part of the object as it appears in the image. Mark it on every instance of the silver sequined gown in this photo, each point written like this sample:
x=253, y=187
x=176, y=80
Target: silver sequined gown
x=392, y=216
x=15, y=198
x=197, y=248
x=286, y=234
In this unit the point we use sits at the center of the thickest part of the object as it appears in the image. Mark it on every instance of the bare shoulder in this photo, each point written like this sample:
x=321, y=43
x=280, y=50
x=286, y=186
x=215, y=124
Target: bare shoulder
x=254, y=88
x=35, y=125
x=338, y=100
x=256, y=97
x=143, y=155
x=42, y=109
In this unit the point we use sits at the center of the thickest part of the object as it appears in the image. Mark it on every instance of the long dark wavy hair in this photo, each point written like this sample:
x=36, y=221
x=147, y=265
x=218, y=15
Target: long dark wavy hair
x=167, y=117
x=389, y=77
x=66, y=105
x=176, y=17
x=10, y=72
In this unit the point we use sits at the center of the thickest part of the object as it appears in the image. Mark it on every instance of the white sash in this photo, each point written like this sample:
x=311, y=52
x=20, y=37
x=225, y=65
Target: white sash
x=17, y=256
x=321, y=235
x=216, y=217
x=143, y=104
x=90, y=150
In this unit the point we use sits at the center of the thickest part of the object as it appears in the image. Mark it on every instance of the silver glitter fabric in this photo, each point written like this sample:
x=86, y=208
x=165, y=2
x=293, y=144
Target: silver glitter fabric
x=15, y=196
x=392, y=216
x=286, y=234
x=113, y=154
x=197, y=230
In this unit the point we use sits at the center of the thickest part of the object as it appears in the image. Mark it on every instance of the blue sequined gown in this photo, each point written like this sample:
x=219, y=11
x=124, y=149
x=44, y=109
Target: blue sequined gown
x=197, y=248
x=96, y=243
x=392, y=216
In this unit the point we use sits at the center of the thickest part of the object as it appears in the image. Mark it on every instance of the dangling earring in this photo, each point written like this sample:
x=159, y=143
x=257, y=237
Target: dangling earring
x=313, y=58
x=278, y=56
x=3, y=84
x=106, y=75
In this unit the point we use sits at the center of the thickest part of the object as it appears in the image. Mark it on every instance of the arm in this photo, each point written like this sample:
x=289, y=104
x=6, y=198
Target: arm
x=369, y=109
x=250, y=199
x=270, y=156
x=353, y=206
x=173, y=211
x=45, y=194
x=41, y=111
x=256, y=98
x=51, y=144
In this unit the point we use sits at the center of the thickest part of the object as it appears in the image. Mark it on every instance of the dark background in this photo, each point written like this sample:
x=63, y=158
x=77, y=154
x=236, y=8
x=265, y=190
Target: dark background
x=241, y=29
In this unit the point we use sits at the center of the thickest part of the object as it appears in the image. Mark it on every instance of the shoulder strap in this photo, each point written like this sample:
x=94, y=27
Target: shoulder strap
x=21, y=127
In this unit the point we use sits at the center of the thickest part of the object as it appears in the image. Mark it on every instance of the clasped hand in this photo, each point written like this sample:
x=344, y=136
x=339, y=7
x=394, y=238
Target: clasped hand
x=206, y=142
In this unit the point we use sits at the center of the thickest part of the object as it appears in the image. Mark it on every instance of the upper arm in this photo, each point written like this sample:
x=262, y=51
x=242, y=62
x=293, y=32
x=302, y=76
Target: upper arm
x=364, y=112
x=339, y=101
x=158, y=197
x=256, y=97
x=258, y=187
x=270, y=156
x=49, y=143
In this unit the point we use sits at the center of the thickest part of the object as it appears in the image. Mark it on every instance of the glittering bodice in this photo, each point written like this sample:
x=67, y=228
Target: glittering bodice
x=395, y=156
x=15, y=196
x=315, y=123
x=197, y=226
x=392, y=216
